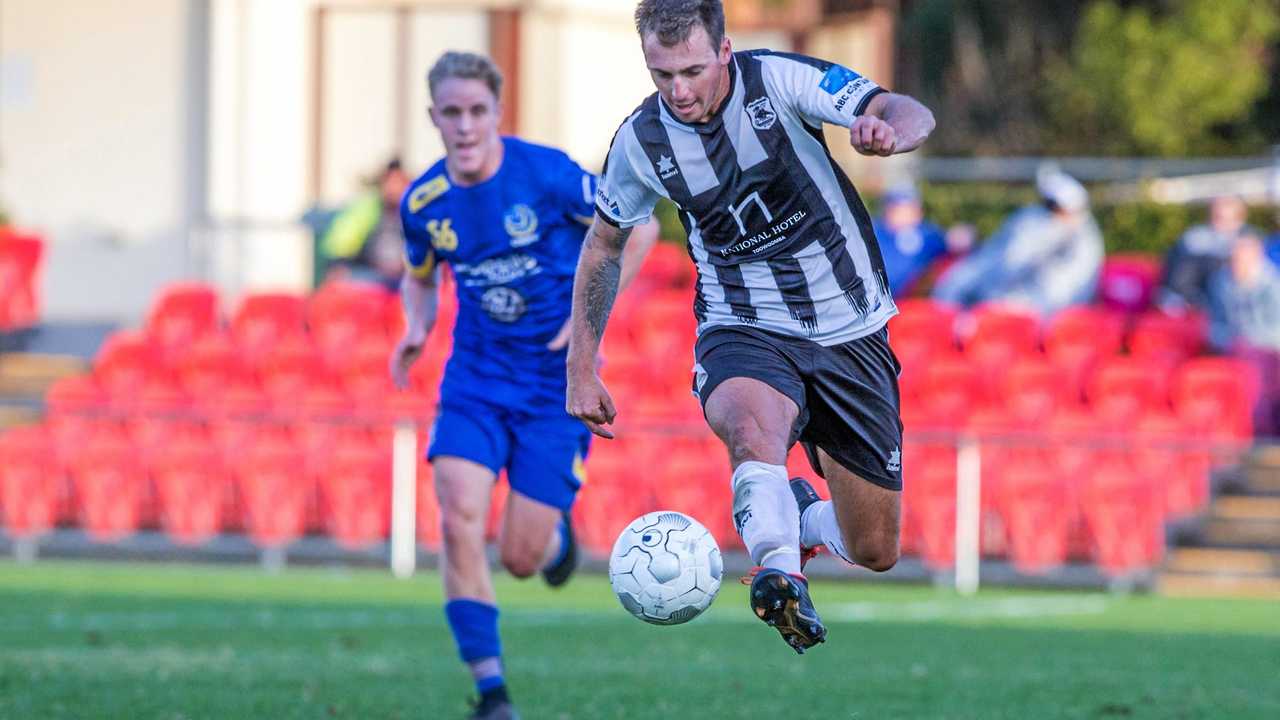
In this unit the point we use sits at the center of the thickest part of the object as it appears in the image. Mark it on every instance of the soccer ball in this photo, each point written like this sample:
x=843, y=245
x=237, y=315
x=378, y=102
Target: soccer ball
x=665, y=568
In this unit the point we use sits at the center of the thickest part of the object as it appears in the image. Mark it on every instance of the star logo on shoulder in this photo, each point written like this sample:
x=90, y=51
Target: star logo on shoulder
x=895, y=461
x=666, y=167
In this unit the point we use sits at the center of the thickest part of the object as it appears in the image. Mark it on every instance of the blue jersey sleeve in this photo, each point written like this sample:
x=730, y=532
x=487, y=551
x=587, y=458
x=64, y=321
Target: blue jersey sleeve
x=419, y=257
x=575, y=190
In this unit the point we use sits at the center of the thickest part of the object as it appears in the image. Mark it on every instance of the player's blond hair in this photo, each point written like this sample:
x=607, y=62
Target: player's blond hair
x=465, y=66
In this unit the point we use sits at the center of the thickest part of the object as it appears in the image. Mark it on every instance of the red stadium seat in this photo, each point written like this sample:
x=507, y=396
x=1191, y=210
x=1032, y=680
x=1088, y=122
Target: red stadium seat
x=274, y=492
x=950, y=388
x=125, y=362
x=1166, y=340
x=342, y=316
x=20, y=258
x=356, y=485
x=1095, y=328
x=263, y=319
x=111, y=487
x=29, y=482
x=1124, y=514
x=290, y=366
x=922, y=329
x=1215, y=396
x=1167, y=455
x=1033, y=388
x=1122, y=389
x=1000, y=337
x=209, y=365
x=182, y=314
x=1022, y=497
x=191, y=485
x=667, y=266
x=929, y=486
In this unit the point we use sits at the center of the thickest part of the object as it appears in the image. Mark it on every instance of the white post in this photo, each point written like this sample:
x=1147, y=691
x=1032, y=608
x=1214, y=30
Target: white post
x=404, y=500
x=968, y=515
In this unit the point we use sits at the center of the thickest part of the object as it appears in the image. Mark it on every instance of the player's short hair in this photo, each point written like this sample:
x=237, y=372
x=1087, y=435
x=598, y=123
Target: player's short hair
x=465, y=66
x=673, y=20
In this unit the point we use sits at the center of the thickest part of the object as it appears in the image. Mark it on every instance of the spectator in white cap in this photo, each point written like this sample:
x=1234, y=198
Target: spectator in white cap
x=1044, y=258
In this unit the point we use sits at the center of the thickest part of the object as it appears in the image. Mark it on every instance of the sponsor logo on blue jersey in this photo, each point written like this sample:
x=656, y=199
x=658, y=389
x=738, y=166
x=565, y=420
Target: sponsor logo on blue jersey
x=836, y=78
x=497, y=271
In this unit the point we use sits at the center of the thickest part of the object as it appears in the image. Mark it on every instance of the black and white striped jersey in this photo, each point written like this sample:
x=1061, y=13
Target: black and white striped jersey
x=779, y=235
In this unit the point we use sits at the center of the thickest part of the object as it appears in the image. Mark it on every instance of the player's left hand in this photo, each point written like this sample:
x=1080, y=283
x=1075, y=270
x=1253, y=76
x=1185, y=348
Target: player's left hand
x=589, y=401
x=561, y=340
x=870, y=135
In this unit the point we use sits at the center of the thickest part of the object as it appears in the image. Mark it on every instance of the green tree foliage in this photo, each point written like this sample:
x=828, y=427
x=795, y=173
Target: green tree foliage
x=1178, y=81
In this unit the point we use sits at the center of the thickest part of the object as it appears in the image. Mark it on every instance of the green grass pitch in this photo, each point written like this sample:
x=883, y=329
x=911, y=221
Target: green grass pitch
x=177, y=641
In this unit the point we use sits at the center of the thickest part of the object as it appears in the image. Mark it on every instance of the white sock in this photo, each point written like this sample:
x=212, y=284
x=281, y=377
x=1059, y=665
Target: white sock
x=766, y=515
x=819, y=526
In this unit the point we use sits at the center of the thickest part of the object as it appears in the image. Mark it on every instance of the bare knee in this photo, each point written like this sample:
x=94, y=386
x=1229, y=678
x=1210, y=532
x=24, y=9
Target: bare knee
x=461, y=529
x=521, y=562
x=879, y=554
x=747, y=441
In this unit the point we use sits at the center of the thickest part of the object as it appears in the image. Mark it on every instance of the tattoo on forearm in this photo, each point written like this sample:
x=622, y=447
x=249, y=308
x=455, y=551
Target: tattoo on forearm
x=602, y=288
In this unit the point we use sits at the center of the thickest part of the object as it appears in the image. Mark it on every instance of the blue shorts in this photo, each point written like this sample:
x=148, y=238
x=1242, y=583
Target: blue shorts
x=543, y=455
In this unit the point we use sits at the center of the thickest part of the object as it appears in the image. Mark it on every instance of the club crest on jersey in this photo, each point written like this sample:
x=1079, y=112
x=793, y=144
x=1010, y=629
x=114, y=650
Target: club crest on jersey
x=521, y=223
x=762, y=115
x=667, y=167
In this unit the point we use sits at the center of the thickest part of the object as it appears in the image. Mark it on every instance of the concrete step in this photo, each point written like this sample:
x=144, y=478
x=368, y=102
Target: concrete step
x=1247, y=507
x=1263, y=479
x=1194, y=585
x=1242, y=533
x=31, y=374
x=12, y=415
x=1221, y=561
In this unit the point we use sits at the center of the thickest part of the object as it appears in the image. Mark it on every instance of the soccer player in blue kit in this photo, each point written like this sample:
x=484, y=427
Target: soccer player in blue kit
x=509, y=218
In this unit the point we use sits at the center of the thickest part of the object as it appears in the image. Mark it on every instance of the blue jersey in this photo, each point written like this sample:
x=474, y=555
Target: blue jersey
x=513, y=243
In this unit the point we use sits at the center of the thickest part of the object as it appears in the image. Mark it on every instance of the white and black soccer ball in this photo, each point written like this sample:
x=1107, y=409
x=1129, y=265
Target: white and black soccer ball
x=665, y=568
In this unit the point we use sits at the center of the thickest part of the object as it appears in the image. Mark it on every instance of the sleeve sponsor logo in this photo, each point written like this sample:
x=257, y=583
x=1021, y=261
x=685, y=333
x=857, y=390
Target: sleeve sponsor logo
x=855, y=89
x=607, y=204
x=837, y=77
x=428, y=191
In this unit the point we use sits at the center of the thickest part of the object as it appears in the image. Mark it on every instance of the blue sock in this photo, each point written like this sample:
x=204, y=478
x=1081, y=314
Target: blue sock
x=563, y=531
x=475, y=631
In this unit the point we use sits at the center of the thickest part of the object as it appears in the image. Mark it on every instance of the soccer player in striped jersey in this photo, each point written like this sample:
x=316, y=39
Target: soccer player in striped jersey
x=508, y=217
x=791, y=298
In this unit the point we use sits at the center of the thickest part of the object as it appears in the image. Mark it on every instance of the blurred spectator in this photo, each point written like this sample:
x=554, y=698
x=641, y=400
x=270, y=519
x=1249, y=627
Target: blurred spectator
x=908, y=243
x=1045, y=257
x=1244, y=304
x=1199, y=254
x=364, y=241
x=1273, y=248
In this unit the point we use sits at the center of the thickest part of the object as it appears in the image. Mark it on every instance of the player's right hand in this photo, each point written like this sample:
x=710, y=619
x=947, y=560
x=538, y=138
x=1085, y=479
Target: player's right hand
x=407, y=352
x=589, y=401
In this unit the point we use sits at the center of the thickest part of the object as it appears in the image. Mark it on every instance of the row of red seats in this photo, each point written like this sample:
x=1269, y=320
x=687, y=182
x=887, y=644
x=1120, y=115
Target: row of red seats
x=1211, y=395
x=993, y=334
x=20, y=259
